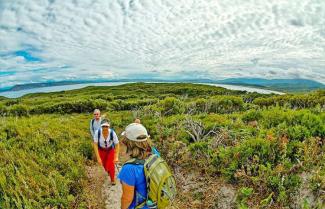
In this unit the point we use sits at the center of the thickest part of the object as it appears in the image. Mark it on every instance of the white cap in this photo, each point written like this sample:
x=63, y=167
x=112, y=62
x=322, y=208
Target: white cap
x=105, y=124
x=134, y=130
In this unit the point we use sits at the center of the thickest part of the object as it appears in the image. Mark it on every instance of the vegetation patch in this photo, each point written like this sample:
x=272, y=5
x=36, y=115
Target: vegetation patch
x=263, y=150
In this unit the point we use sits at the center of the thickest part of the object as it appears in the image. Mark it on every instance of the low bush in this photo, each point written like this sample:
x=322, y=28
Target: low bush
x=79, y=106
x=251, y=115
x=171, y=106
x=18, y=110
x=42, y=162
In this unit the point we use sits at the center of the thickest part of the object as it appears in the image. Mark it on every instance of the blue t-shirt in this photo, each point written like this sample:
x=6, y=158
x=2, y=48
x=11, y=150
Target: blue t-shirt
x=133, y=175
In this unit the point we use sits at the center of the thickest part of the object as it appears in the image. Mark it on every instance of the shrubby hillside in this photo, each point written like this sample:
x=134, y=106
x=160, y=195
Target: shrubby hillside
x=228, y=149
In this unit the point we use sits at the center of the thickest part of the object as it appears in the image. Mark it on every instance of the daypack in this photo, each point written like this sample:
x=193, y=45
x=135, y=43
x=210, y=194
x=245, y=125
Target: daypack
x=161, y=185
x=110, y=138
x=92, y=125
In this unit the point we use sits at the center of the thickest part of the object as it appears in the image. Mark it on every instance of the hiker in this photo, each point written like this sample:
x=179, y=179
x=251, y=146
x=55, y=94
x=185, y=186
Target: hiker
x=144, y=167
x=153, y=149
x=137, y=120
x=95, y=123
x=106, y=147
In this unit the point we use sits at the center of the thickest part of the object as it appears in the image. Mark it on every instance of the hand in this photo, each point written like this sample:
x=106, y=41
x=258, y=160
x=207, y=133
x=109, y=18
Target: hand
x=100, y=161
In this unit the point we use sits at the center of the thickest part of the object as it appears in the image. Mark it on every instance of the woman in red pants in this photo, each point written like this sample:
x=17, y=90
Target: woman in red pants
x=106, y=147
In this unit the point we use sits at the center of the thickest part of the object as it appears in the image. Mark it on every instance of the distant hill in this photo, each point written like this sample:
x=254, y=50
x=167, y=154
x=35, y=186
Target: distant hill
x=39, y=85
x=20, y=87
x=286, y=85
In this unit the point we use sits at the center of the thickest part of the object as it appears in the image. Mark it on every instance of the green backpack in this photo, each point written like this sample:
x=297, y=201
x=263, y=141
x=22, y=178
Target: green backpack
x=161, y=185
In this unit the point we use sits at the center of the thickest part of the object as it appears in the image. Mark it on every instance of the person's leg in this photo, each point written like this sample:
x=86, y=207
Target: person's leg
x=107, y=157
x=103, y=154
x=110, y=165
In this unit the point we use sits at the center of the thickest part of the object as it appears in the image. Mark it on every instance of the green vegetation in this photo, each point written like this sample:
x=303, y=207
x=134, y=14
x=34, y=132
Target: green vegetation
x=42, y=161
x=271, y=148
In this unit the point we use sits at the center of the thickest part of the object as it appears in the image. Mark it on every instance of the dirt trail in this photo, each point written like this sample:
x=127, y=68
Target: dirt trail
x=100, y=193
x=112, y=194
x=96, y=179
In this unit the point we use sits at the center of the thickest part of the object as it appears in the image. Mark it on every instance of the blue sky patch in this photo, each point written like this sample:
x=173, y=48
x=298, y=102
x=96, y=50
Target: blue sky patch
x=7, y=73
x=27, y=55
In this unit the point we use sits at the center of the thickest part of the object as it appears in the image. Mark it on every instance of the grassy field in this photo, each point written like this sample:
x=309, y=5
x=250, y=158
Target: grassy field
x=265, y=151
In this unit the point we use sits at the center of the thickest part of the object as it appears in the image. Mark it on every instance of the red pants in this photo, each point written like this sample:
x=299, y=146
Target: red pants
x=107, y=157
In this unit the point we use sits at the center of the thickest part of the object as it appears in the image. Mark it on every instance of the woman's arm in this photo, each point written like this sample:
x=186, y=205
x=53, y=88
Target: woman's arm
x=127, y=195
x=117, y=147
x=99, y=160
x=116, y=152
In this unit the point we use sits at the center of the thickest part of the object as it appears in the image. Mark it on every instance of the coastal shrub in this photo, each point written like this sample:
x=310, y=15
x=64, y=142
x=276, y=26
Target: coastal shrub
x=79, y=106
x=293, y=101
x=40, y=162
x=216, y=104
x=298, y=125
x=11, y=102
x=103, y=97
x=273, y=117
x=317, y=181
x=226, y=104
x=18, y=110
x=200, y=105
x=3, y=110
x=298, y=132
x=121, y=105
x=171, y=106
x=201, y=153
x=243, y=195
x=251, y=115
x=258, y=162
x=253, y=151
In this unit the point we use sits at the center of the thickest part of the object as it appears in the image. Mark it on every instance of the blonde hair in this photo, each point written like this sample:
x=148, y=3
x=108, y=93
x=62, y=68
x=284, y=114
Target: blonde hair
x=139, y=150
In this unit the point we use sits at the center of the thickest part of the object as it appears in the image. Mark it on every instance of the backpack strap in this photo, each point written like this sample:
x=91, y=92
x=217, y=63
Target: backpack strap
x=141, y=205
x=111, y=137
x=152, y=160
x=135, y=161
x=92, y=124
x=98, y=135
x=154, y=151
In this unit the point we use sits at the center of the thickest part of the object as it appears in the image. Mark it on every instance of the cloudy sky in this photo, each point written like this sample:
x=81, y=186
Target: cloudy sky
x=54, y=40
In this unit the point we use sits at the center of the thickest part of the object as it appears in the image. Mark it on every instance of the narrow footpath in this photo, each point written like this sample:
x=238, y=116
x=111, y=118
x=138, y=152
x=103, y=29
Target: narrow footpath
x=105, y=195
x=112, y=194
x=101, y=194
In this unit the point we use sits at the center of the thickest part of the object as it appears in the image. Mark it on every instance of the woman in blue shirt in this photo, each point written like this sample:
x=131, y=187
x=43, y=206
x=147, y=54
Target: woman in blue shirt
x=132, y=175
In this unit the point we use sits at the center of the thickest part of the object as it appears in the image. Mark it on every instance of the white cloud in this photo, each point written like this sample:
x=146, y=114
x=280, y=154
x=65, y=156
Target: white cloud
x=162, y=38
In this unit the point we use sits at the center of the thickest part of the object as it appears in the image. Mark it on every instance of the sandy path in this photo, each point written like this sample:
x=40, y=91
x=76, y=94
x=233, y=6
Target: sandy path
x=93, y=190
x=112, y=194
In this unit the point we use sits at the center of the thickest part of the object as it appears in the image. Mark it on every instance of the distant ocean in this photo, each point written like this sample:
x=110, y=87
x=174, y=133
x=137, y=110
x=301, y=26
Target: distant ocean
x=16, y=94
x=245, y=88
